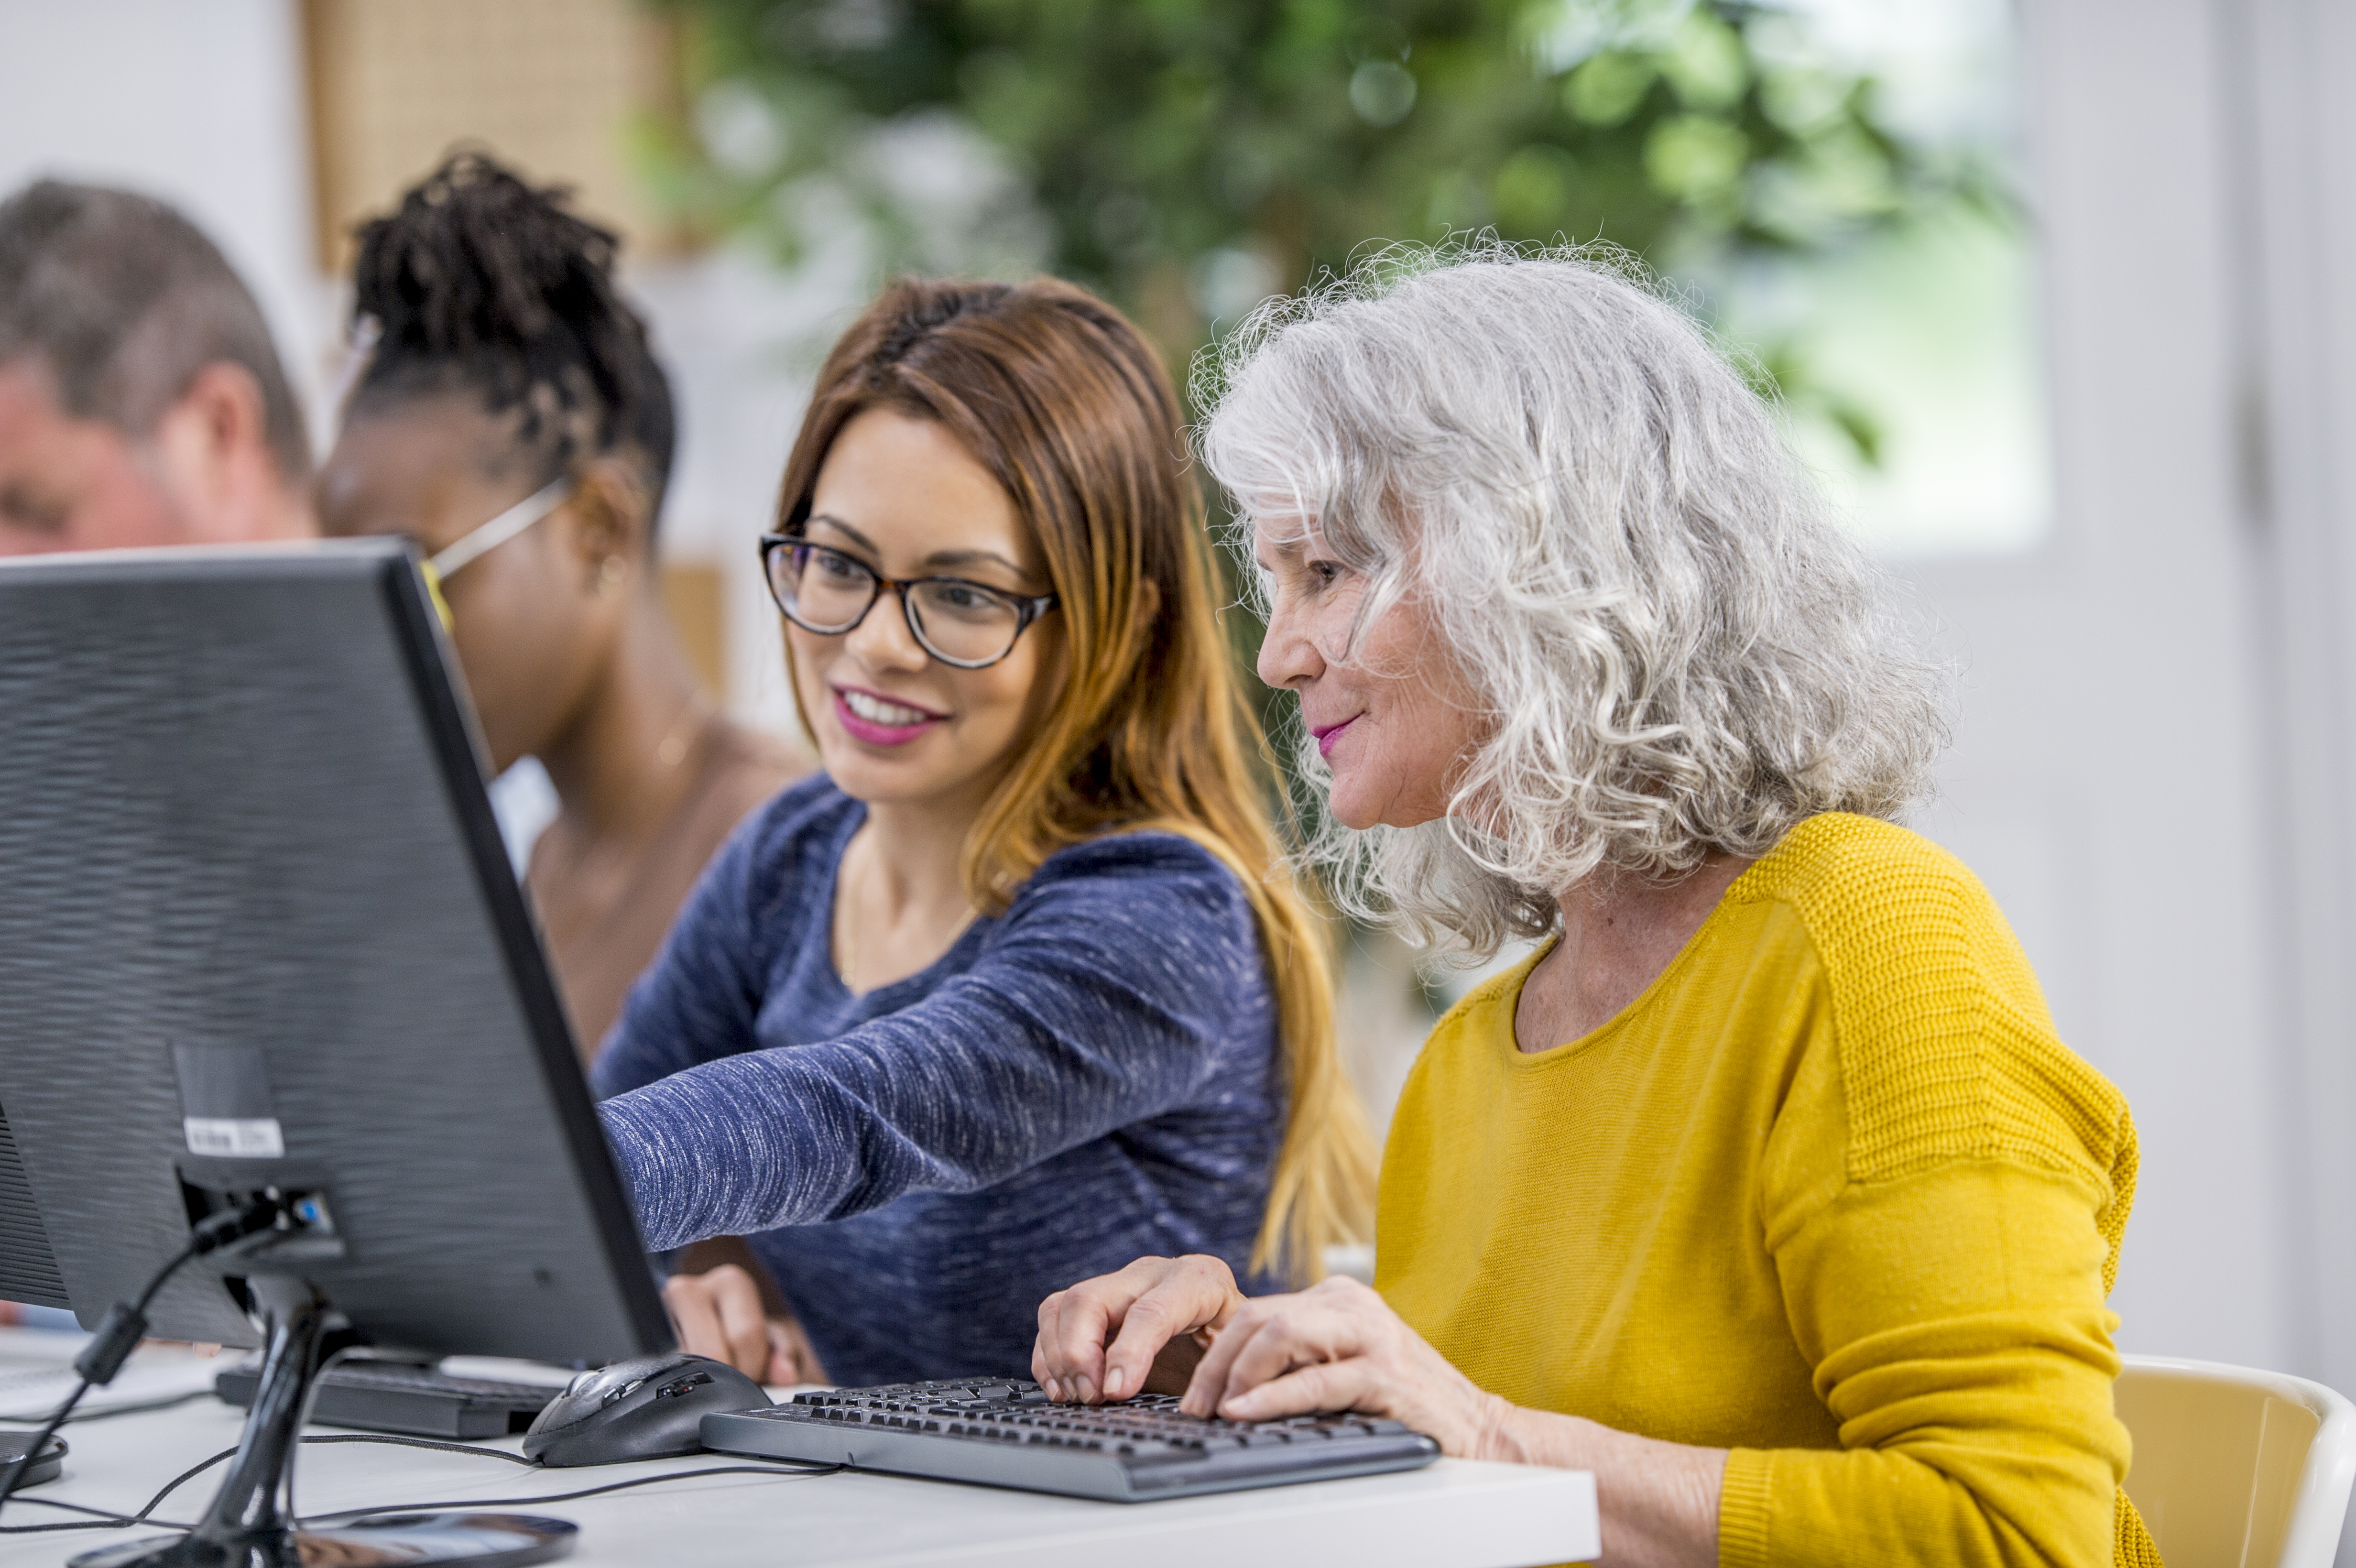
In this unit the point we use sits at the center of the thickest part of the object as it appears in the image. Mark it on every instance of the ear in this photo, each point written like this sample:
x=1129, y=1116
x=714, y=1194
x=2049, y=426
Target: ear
x=612, y=524
x=213, y=445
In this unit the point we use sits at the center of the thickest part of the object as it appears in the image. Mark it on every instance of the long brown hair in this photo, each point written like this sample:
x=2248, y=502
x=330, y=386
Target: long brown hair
x=1060, y=398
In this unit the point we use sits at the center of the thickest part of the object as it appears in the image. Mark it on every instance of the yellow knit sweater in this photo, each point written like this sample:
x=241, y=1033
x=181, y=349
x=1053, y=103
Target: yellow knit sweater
x=1831, y=1194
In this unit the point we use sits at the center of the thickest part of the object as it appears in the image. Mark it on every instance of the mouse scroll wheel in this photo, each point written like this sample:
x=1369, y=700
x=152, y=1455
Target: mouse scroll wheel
x=679, y=1386
x=625, y=1391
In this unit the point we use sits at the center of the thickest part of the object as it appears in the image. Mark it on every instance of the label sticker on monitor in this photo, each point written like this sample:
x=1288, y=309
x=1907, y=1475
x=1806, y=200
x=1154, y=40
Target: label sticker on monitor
x=226, y=1106
x=257, y=1137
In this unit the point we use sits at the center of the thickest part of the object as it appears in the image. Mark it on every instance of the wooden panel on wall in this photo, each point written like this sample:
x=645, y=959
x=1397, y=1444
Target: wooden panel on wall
x=695, y=592
x=552, y=86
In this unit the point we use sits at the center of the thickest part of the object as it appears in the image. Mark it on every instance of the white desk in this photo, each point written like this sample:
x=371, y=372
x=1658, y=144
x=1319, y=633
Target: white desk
x=1455, y=1514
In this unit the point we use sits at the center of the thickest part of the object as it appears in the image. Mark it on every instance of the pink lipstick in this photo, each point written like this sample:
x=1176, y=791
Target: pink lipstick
x=887, y=722
x=1327, y=734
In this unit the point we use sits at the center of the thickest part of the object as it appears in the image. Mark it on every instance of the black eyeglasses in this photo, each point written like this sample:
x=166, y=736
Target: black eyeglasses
x=968, y=625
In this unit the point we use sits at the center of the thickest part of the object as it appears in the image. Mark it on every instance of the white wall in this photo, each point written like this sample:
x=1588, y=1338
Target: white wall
x=2288, y=64
x=201, y=104
x=2107, y=777
x=2157, y=761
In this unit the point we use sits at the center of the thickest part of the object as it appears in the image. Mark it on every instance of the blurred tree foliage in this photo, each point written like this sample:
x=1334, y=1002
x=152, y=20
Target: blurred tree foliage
x=1188, y=156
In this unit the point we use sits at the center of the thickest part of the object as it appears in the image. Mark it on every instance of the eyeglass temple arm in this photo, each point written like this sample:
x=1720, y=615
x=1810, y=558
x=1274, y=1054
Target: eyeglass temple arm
x=500, y=530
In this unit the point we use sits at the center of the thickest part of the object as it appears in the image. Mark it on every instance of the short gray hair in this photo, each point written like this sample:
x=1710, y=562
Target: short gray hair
x=1677, y=649
x=123, y=301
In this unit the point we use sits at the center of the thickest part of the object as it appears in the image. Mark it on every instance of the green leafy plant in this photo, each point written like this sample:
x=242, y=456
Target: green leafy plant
x=1189, y=157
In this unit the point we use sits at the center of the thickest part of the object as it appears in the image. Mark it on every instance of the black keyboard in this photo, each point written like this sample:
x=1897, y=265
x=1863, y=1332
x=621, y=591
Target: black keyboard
x=401, y=1397
x=1010, y=1434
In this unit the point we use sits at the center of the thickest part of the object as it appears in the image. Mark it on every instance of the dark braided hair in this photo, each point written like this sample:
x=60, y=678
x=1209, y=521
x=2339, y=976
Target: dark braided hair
x=478, y=283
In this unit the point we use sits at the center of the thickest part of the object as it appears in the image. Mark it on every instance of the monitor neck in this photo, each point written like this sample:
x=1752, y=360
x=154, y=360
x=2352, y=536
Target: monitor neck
x=255, y=1501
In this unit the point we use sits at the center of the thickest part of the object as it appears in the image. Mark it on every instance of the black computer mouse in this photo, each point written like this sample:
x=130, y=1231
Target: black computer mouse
x=645, y=1409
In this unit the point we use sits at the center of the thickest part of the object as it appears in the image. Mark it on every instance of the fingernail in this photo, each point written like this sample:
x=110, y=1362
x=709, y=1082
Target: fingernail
x=1087, y=1392
x=1115, y=1380
x=1047, y=1387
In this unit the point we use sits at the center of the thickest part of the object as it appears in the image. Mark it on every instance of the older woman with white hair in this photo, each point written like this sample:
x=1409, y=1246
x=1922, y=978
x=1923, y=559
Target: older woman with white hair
x=1764, y=1189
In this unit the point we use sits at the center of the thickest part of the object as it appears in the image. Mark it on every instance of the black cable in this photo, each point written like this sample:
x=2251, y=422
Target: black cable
x=65, y=1412
x=99, y=1519
x=78, y=1418
x=102, y=1519
x=49, y=1429
x=118, y=1522
x=353, y=1513
x=477, y=1450
x=124, y=1327
x=174, y=1485
x=201, y=1466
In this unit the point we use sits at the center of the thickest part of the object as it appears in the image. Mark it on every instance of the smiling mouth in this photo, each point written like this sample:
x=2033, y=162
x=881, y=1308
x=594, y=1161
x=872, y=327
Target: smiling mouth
x=1326, y=734
x=883, y=711
x=879, y=720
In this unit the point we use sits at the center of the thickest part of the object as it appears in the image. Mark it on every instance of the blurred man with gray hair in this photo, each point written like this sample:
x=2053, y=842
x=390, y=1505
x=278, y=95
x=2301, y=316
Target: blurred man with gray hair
x=141, y=402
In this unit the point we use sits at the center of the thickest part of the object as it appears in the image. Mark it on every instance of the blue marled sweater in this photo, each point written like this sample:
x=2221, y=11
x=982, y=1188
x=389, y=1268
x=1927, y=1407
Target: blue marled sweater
x=1089, y=1077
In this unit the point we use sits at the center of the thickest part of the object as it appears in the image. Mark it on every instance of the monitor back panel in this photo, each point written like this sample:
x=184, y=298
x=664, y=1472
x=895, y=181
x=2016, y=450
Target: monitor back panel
x=239, y=809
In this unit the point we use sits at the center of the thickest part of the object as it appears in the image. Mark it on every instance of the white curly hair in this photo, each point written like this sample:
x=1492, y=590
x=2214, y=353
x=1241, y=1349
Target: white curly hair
x=1675, y=648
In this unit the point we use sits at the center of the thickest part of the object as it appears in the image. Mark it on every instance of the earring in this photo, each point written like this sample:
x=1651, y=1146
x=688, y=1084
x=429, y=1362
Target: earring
x=611, y=573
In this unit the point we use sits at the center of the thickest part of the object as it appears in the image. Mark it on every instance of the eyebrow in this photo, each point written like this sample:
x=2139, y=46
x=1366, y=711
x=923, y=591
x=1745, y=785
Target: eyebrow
x=938, y=558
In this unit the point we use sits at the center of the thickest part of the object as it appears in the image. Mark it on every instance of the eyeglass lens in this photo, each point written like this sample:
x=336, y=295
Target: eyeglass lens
x=828, y=592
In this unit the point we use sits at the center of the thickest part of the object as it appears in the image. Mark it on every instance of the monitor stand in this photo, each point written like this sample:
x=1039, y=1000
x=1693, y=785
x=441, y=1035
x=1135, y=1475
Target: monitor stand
x=251, y=1523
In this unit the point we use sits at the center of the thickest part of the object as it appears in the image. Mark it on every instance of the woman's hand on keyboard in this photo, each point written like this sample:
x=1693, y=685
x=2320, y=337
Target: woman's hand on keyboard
x=1140, y=1310
x=1338, y=1346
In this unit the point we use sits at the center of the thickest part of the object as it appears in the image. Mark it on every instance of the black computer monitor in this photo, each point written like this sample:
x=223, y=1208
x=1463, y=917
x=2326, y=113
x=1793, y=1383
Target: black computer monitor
x=259, y=934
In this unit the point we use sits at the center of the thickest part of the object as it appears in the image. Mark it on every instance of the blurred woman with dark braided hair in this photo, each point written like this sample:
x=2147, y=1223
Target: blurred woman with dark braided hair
x=511, y=419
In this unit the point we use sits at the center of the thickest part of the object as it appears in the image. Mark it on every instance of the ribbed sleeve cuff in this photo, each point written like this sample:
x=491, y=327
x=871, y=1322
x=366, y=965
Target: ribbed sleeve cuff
x=1742, y=1509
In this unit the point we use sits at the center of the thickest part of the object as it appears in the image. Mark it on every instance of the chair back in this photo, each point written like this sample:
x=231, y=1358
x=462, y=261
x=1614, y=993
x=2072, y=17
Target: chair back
x=2235, y=1467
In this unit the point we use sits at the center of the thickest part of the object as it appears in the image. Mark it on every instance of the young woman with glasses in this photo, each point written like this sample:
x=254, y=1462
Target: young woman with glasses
x=1017, y=988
